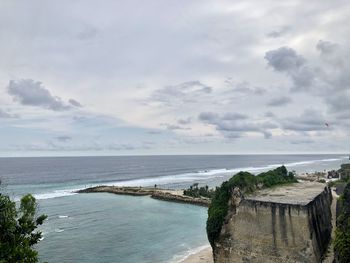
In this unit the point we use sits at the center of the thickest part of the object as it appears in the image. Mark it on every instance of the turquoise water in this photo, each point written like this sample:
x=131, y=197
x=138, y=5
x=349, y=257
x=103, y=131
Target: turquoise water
x=111, y=228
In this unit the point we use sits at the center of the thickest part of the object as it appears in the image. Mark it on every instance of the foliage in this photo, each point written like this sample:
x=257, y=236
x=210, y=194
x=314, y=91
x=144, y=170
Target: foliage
x=196, y=191
x=342, y=232
x=247, y=183
x=17, y=230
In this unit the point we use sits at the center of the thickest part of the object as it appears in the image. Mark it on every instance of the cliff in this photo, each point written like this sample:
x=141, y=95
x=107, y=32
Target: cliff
x=285, y=224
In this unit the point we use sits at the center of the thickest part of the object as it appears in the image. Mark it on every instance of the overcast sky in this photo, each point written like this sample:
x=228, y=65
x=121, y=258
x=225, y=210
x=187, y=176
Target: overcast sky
x=174, y=77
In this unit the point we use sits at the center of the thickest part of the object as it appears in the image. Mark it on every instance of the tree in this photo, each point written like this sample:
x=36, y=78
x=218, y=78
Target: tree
x=18, y=230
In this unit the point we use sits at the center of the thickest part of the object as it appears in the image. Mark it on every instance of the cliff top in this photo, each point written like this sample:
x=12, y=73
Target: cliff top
x=295, y=194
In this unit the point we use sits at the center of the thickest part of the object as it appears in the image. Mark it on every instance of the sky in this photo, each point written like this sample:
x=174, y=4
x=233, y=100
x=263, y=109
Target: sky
x=110, y=77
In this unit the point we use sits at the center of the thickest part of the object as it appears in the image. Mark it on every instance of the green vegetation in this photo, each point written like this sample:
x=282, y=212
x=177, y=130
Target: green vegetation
x=17, y=230
x=247, y=183
x=342, y=232
x=196, y=191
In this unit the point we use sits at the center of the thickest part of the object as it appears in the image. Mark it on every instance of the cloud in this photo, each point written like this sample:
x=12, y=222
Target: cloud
x=235, y=125
x=301, y=141
x=181, y=93
x=286, y=60
x=184, y=121
x=154, y=132
x=269, y=114
x=281, y=101
x=279, y=32
x=91, y=146
x=309, y=120
x=212, y=117
x=5, y=115
x=326, y=47
x=63, y=138
x=329, y=80
x=30, y=92
x=244, y=87
x=172, y=127
x=87, y=33
x=75, y=103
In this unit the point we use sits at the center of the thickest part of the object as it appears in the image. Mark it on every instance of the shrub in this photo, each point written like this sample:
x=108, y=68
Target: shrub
x=194, y=191
x=342, y=232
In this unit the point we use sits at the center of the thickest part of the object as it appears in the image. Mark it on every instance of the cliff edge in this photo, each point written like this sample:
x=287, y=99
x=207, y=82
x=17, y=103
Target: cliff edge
x=284, y=224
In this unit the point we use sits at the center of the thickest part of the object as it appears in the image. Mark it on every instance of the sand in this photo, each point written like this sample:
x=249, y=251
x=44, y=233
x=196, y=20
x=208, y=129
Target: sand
x=203, y=256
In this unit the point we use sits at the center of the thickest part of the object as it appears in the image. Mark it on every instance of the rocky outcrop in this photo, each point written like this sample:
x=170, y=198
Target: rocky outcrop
x=288, y=224
x=166, y=196
x=156, y=193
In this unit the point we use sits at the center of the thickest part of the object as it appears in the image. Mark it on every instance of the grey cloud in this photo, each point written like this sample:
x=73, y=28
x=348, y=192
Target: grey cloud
x=87, y=33
x=6, y=115
x=172, y=127
x=30, y=92
x=309, y=120
x=93, y=146
x=279, y=32
x=326, y=47
x=285, y=59
x=236, y=125
x=281, y=101
x=269, y=114
x=302, y=141
x=244, y=87
x=184, y=121
x=154, y=132
x=181, y=93
x=329, y=80
x=63, y=138
x=208, y=117
x=338, y=102
x=214, y=117
x=234, y=116
x=74, y=103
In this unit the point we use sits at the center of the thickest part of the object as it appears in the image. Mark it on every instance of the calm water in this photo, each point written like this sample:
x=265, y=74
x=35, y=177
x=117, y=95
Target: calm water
x=110, y=228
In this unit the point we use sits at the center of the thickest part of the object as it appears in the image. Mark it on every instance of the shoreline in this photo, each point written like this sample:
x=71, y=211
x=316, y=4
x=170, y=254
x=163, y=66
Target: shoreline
x=204, y=255
x=156, y=193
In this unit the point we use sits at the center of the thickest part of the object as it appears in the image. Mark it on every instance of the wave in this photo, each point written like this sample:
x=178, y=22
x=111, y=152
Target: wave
x=188, y=253
x=60, y=217
x=184, y=178
x=55, y=194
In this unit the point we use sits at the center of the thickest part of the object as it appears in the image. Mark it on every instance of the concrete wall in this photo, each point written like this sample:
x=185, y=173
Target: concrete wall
x=258, y=231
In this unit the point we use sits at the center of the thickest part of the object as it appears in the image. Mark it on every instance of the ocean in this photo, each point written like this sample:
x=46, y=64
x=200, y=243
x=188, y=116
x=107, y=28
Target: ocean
x=104, y=227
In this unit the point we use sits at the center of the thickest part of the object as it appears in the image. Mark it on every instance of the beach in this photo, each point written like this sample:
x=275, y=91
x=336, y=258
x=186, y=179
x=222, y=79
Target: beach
x=203, y=256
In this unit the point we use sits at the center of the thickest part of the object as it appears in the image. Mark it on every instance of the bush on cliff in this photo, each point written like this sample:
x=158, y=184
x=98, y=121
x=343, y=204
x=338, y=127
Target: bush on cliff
x=195, y=191
x=247, y=183
x=342, y=232
x=17, y=230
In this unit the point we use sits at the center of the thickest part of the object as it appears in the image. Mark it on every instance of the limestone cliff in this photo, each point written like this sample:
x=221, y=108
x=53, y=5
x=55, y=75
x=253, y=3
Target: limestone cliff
x=286, y=224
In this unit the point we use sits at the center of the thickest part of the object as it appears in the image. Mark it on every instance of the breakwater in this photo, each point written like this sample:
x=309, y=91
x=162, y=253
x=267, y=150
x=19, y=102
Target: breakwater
x=156, y=193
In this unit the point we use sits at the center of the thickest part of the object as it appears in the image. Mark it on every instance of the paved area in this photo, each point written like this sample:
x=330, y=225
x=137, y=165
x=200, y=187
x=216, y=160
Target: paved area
x=298, y=193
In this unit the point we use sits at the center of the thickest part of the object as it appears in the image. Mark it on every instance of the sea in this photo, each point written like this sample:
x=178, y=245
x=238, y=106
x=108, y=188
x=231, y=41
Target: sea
x=102, y=227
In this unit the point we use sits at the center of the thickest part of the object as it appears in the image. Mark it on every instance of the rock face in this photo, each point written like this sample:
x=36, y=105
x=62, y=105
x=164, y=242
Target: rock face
x=287, y=224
